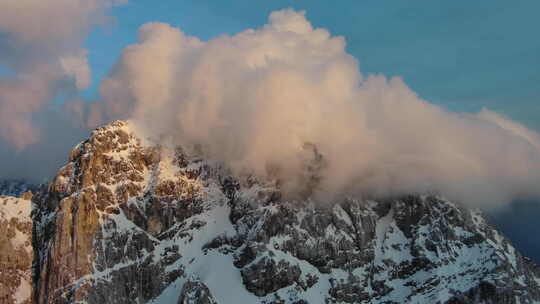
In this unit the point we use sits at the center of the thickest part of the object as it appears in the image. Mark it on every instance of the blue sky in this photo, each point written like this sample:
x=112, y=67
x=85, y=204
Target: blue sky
x=463, y=55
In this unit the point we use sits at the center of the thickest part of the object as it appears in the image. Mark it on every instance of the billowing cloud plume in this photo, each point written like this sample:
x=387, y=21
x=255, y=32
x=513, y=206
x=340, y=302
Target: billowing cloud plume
x=286, y=100
x=40, y=46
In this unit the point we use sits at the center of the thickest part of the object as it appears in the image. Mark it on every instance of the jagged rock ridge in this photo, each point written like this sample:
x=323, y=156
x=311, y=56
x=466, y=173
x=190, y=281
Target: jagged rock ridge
x=126, y=221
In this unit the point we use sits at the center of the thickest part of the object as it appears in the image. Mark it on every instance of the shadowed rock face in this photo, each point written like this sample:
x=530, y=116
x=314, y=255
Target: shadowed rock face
x=15, y=250
x=126, y=221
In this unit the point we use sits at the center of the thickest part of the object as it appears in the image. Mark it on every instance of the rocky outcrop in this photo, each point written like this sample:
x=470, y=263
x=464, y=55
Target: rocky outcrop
x=126, y=221
x=96, y=231
x=195, y=292
x=15, y=250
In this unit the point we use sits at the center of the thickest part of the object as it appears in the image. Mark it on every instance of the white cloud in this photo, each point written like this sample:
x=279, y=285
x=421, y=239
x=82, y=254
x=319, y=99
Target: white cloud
x=77, y=67
x=41, y=43
x=253, y=101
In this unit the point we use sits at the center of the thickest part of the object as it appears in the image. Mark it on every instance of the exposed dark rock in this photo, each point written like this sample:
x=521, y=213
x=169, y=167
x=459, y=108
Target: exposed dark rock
x=195, y=292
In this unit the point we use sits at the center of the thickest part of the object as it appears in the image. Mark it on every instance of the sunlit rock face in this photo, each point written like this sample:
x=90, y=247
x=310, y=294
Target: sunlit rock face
x=128, y=221
x=15, y=250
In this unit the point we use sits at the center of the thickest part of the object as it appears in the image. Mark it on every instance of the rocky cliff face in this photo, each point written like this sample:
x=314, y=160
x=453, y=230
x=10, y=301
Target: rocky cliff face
x=126, y=221
x=15, y=250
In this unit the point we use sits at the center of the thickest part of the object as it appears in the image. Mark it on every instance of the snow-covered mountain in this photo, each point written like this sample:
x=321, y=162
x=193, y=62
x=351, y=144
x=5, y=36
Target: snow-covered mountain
x=127, y=221
x=15, y=188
